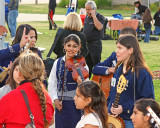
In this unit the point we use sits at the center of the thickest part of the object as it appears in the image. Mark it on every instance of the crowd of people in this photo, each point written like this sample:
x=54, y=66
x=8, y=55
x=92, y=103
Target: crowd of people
x=26, y=100
x=144, y=14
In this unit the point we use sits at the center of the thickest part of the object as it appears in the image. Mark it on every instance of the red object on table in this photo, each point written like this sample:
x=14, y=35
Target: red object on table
x=83, y=18
x=120, y=24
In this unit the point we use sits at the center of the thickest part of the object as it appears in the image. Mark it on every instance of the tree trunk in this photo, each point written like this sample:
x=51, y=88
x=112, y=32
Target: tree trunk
x=36, y=2
x=159, y=3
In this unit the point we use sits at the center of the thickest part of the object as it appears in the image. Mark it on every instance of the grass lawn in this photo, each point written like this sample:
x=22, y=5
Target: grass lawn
x=126, y=11
x=150, y=50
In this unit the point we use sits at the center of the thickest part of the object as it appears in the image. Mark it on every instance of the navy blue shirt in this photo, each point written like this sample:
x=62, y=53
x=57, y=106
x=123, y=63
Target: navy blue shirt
x=102, y=67
x=9, y=54
x=143, y=89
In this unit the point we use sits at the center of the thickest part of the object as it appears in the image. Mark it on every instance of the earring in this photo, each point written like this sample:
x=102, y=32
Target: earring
x=64, y=50
x=79, y=52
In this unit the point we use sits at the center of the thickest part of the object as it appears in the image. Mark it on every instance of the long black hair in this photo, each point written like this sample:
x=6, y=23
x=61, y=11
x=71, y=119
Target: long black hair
x=98, y=104
x=74, y=38
x=19, y=33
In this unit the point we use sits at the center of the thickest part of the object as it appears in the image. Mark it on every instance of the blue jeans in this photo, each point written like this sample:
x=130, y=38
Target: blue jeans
x=128, y=124
x=6, y=19
x=147, y=35
x=136, y=16
x=12, y=21
x=157, y=30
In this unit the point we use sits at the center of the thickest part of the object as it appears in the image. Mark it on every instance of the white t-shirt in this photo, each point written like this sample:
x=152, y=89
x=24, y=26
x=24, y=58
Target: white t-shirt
x=91, y=118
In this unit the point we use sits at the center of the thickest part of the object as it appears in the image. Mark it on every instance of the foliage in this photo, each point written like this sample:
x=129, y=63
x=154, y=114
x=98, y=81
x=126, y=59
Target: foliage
x=64, y=3
x=81, y=3
x=103, y=3
x=155, y=6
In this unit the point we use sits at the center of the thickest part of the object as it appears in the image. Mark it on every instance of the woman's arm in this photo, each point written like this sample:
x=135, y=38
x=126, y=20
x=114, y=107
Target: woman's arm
x=52, y=83
x=102, y=68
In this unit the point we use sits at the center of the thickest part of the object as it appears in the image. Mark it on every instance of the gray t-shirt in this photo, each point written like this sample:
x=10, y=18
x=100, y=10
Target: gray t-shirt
x=4, y=90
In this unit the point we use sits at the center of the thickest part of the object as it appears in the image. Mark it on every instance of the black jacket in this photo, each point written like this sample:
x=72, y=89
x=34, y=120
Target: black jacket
x=141, y=9
x=58, y=50
x=157, y=18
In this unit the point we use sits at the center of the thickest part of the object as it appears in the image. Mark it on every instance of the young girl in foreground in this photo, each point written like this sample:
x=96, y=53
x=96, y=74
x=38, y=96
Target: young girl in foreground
x=140, y=117
x=91, y=99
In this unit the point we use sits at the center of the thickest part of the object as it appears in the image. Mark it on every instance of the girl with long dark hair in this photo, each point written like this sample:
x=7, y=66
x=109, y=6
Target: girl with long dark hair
x=92, y=100
x=130, y=64
x=141, y=117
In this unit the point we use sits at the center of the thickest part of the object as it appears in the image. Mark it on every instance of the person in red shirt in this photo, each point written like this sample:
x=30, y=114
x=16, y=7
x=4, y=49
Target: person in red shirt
x=14, y=112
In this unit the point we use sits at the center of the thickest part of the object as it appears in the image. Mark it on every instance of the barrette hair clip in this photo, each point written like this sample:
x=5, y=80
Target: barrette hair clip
x=156, y=126
x=148, y=114
x=152, y=120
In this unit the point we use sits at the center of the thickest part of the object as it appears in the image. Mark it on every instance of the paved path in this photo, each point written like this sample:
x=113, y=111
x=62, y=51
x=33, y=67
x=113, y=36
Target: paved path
x=33, y=1
x=26, y=17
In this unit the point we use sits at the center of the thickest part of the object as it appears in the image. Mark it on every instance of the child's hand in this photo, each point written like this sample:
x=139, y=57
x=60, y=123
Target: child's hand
x=116, y=111
x=79, y=80
x=24, y=39
x=58, y=104
x=9, y=67
x=111, y=70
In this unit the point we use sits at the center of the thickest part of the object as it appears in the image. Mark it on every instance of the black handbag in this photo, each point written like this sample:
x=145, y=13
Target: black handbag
x=49, y=61
x=31, y=124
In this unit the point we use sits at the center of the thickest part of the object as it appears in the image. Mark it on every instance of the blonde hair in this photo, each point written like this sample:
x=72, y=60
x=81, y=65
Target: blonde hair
x=73, y=22
x=32, y=68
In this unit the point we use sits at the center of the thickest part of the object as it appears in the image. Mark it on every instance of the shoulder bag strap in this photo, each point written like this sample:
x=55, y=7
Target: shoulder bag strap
x=27, y=104
x=55, y=41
